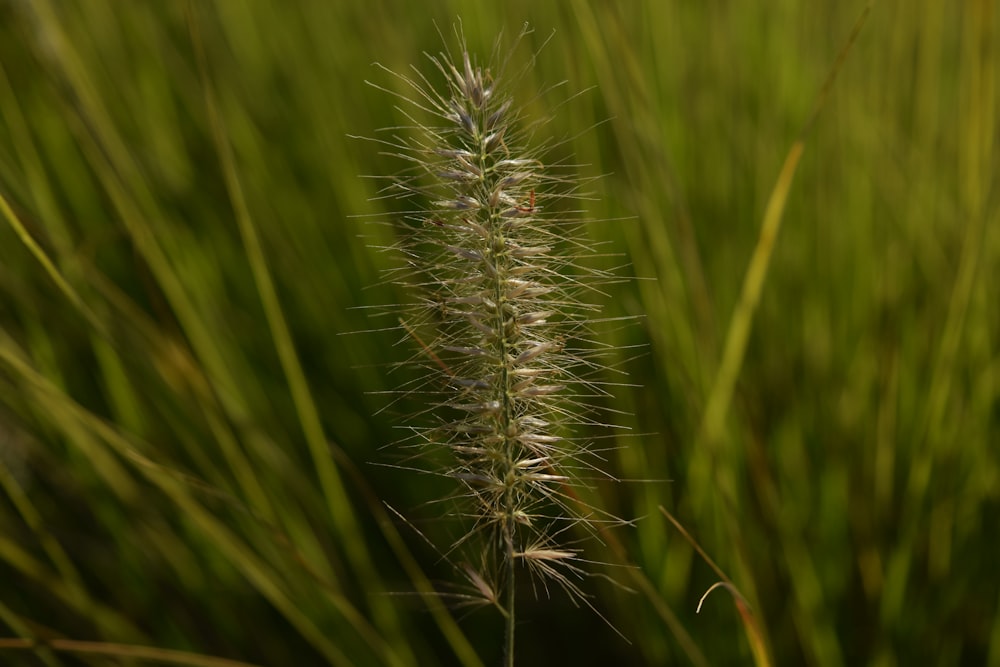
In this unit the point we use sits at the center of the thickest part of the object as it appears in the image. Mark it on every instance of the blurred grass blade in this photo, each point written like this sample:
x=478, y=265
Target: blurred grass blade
x=338, y=502
x=463, y=650
x=47, y=264
x=74, y=417
x=758, y=647
x=43, y=653
x=713, y=422
x=31, y=517
x=125, y=652
x=70, y=594
x=756, y=638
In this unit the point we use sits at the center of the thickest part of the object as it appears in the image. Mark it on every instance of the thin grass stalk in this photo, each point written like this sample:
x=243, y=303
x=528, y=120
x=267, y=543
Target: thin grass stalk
x=493, y=258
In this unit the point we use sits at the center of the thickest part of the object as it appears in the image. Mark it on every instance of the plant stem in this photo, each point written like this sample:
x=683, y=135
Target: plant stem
x=509, y=640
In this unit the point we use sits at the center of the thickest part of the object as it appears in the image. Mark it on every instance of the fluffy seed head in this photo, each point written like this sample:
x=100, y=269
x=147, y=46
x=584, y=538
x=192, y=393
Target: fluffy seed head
x=491, y=247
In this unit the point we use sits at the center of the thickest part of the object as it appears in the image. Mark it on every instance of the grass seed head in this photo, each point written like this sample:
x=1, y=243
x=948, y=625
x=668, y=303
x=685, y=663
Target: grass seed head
x=491, y=247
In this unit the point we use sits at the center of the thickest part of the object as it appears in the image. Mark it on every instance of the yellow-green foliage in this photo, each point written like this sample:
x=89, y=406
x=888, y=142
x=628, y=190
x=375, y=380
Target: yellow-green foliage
x=187, y=437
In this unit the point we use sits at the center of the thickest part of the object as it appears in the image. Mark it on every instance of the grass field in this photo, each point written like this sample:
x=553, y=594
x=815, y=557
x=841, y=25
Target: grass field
x=196, y=451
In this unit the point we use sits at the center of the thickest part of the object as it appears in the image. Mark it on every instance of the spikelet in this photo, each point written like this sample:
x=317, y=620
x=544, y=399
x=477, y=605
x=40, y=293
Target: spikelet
x=491, y=249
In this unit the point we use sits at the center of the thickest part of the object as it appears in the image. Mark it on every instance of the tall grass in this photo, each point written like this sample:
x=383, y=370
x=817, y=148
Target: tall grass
x=186, y=441
x=511, y=371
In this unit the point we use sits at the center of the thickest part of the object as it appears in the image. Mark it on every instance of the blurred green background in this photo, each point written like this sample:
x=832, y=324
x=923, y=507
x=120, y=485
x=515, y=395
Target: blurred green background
x=187, y=438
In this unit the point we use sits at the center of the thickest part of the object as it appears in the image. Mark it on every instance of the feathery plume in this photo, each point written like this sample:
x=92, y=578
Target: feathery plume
x=493, y=252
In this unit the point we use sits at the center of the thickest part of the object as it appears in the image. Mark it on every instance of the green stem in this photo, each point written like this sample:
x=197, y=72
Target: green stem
x=509, y=641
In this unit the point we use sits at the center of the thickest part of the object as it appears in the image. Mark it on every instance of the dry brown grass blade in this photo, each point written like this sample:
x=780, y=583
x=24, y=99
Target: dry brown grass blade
x=755, y=635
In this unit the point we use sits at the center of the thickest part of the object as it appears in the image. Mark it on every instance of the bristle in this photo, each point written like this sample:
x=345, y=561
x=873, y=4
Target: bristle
x=495, y=311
